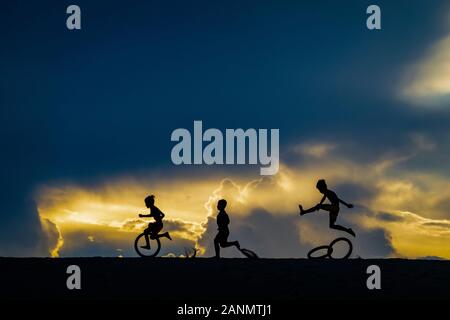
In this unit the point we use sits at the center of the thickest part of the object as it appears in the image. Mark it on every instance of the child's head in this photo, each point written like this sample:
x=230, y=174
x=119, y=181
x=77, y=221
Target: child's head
x=321, y=185
x=149, y=201
x=221, y=204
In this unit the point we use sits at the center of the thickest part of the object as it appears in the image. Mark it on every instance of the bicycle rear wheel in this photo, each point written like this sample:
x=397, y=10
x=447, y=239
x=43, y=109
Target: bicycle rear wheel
x=155, y=246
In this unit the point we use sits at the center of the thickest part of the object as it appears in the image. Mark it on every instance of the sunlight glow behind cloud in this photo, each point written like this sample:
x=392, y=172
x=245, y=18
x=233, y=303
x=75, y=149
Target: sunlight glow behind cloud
x=406, y=205
x=428, y=83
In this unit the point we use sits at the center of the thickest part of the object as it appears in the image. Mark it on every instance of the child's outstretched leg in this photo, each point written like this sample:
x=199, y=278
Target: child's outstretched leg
x=229, y=244
x=302, y=211
x=217, y=248
x=165, y=234
x=147, y=240
x=333, y=225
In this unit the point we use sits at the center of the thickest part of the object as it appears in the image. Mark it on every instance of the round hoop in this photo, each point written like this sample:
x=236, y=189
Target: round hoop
x=325, y=255
x=329, y=248
x=350, y=247
x=155, y=246
x=249, y=253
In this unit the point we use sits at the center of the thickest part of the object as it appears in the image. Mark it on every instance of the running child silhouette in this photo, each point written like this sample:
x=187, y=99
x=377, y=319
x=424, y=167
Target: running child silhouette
x=153, y=227
x=332, y=208
x=221, y=239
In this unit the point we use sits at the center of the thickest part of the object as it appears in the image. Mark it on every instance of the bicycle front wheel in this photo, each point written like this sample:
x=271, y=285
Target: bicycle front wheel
x=155, y=246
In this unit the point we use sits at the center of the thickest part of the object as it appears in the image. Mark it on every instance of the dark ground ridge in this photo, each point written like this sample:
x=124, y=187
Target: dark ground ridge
x=202, y=279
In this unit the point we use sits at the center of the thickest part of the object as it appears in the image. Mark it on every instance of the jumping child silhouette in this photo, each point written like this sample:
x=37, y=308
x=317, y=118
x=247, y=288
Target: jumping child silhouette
x=332, y=208
x=153, y=227
x=221, y=239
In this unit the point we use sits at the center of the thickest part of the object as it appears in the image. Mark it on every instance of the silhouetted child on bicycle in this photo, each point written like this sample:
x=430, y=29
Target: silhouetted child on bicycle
x=221, y=239
x=153, y=227
x=332, y=208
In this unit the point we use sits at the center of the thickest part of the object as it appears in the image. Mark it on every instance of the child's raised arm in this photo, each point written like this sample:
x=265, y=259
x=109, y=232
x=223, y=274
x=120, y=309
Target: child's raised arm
x=349, y=205
x=323, y=199
x=145, y=215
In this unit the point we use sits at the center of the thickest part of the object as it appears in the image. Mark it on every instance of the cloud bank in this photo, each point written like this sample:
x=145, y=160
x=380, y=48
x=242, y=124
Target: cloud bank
x=398, y=213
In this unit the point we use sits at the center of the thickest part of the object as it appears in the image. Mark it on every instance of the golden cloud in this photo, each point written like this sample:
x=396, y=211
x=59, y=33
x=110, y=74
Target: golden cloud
x=81, y=217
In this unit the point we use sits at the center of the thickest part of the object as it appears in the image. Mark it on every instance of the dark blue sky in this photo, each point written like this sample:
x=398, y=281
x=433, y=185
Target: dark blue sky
x=84, y=105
